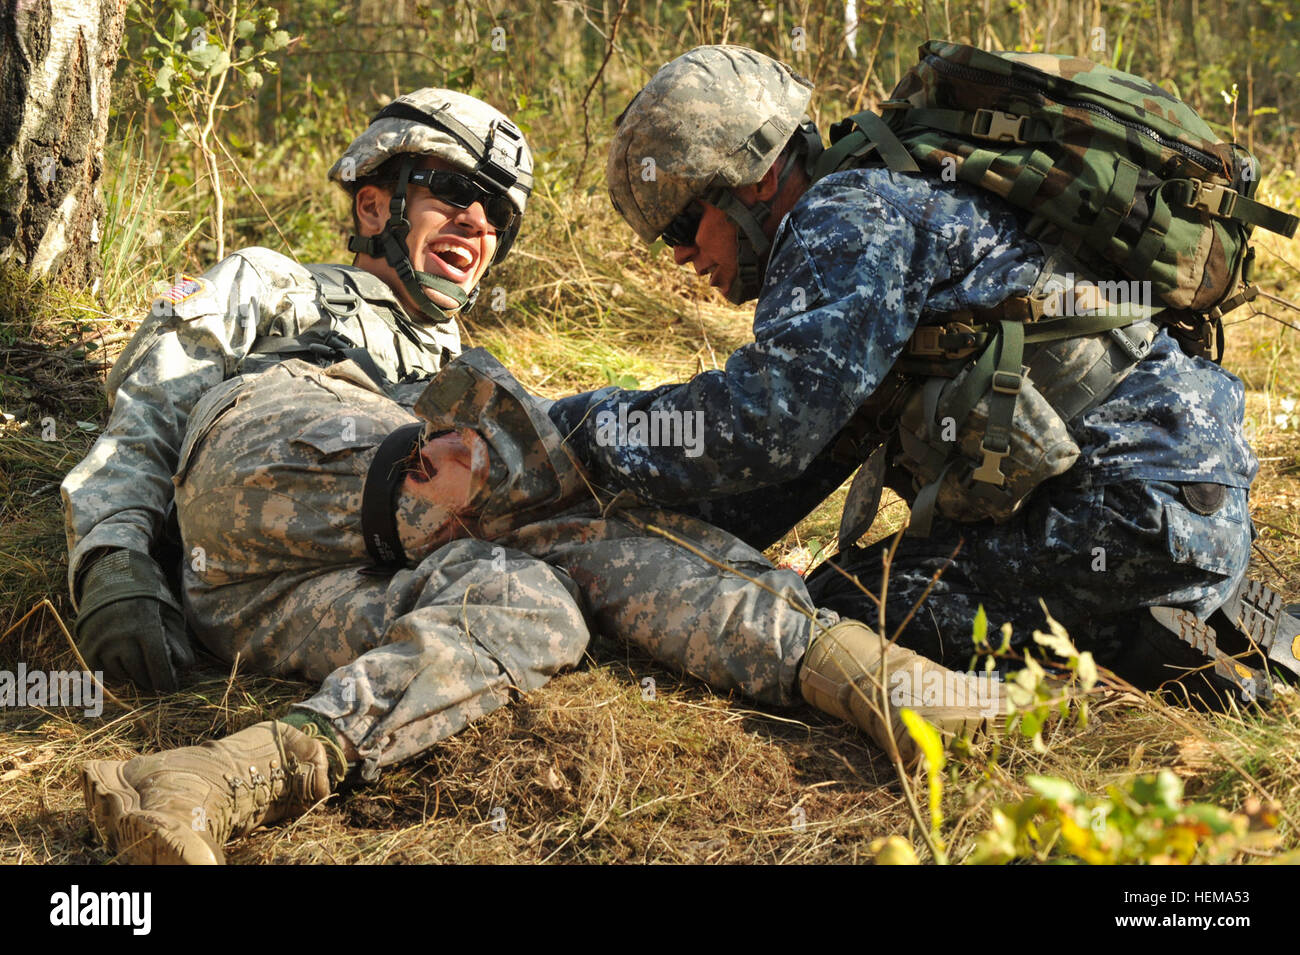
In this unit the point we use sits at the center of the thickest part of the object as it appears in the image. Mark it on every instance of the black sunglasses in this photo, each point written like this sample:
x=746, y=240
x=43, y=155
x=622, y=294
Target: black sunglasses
x=461, y=192
x=681, y=231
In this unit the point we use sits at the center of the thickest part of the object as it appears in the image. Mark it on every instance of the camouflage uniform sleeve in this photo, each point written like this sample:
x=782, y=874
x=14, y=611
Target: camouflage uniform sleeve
x=192, y=339
x=850, y=273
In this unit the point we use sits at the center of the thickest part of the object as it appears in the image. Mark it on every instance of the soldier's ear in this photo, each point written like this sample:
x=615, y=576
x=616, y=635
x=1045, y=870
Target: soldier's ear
x=766, y=187
x=371, y=207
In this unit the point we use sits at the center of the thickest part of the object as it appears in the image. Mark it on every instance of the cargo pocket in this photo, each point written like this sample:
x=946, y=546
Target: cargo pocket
x=338, y=436
x=1218, y=541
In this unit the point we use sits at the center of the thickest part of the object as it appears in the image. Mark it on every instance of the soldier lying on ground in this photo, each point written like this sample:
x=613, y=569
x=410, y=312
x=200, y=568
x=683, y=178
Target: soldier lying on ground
x=423, y=590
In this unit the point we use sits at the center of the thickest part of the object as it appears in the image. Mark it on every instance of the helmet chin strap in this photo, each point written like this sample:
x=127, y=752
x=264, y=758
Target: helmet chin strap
x=391, y=245
x=752, y=244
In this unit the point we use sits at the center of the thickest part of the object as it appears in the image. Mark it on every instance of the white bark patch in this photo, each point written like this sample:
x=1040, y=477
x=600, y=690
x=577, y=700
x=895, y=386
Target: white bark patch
x=55, y=240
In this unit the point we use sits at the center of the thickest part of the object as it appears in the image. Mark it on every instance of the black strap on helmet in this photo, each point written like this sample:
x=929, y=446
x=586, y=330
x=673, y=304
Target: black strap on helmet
x=379, y=496
x=391, y=244
x=500, y=158
x=752, y=244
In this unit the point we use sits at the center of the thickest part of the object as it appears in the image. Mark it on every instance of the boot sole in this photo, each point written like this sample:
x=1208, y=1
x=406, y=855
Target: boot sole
x=139, y=837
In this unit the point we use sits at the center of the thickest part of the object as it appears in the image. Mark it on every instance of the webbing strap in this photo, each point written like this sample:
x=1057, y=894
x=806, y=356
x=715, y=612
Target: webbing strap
x=1119, y=200
x=922, y=518
x=967, y=395
x=834, y=156
x=1152, y=242
x=871, y=132
x=1077, y=326
x=993, y=125
x=891, y=150
x=1030, y=177
x=1225, y=203
x=1265, y=217
x=975, y=165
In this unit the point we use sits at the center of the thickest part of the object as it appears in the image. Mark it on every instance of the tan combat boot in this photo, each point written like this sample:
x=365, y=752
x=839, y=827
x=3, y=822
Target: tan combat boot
x=181, y=806
x=842, y=675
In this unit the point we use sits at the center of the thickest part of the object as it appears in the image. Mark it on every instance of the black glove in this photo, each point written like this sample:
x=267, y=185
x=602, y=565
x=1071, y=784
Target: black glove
x=130, y=626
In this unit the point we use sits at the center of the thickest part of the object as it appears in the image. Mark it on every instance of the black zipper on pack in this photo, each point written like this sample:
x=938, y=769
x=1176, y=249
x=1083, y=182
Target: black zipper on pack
x=1206, y=160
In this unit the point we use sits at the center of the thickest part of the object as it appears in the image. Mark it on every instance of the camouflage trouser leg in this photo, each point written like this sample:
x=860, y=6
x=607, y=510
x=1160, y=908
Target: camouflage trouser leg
x=410, y=660
x=478, y=619
x=697, y=613
x=1096, y=556
x=469, y=626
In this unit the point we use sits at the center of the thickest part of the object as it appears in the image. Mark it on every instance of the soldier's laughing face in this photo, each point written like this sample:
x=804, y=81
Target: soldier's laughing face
x=456, y=244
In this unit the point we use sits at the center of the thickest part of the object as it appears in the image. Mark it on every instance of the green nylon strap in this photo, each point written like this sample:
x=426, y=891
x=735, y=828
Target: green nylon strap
x=962, y=123
x=1152, y=242
x=871, y=132
x=832, y=158
x=893, y=152
x=967, y=395
x=953, y=121
x=1077, y=326
x=1031, y=176
x=1002, y=401
x=446, y=286
x=975, y=165
x=1265, y=217
x=922, y=517
x=1119, y=200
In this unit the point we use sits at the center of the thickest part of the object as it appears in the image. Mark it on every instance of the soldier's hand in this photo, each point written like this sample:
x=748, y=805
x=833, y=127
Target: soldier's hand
x=129, y=625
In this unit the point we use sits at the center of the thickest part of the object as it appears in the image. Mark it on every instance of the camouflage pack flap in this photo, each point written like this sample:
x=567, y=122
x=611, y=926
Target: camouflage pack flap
x=1126, y=172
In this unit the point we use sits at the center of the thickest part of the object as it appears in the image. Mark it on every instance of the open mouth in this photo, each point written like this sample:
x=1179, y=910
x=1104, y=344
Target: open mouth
x=452, y=259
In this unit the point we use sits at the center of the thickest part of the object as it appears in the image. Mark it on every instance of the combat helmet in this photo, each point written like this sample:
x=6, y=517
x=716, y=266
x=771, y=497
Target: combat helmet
x=476, y=139
x=713, y=119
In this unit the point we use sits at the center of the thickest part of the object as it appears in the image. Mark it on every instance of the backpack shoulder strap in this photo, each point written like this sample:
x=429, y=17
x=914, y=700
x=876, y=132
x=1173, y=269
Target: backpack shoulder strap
x=855, y=138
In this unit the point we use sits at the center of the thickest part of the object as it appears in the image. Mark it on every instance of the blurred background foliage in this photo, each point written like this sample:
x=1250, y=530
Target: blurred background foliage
x=286, y=85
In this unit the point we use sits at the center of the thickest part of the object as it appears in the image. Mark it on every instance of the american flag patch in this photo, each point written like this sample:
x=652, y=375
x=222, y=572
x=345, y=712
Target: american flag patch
x=185, y=288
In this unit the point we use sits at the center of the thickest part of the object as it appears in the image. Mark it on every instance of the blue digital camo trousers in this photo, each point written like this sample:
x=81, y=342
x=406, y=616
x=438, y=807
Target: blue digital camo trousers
x=1095, y=555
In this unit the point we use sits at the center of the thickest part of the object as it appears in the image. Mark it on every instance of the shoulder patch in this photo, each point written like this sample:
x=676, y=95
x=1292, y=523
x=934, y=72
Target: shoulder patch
x=187, y=287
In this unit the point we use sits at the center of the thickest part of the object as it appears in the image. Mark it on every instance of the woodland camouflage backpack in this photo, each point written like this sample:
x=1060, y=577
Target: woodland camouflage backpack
x=1120, y=177
x=1118, y=170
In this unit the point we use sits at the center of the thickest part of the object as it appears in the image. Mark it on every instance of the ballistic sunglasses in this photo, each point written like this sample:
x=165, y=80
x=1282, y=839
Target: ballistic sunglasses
x=461, y=192
x=681, y=231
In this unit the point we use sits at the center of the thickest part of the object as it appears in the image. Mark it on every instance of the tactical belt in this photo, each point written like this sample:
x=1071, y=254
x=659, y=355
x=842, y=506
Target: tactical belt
x=379, y=496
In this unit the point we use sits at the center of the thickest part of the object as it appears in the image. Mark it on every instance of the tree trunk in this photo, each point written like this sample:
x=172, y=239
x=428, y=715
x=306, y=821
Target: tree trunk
x=56, y=68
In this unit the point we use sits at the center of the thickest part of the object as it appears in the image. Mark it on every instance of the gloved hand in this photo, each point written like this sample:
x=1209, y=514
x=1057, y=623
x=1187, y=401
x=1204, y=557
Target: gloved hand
x=129, y=625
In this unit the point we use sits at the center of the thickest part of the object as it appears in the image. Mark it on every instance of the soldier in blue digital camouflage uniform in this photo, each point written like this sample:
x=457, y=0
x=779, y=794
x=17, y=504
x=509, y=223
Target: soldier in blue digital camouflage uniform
x=1140, y=501
x=438, y=183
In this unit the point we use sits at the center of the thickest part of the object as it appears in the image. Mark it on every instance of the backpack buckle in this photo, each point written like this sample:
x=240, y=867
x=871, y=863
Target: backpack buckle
x=998, y=126
x=1217, y=200
x=953, y=340
x=990, y=469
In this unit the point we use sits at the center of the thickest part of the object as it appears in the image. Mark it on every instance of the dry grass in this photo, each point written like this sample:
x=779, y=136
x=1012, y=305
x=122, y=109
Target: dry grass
x=585, y=770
